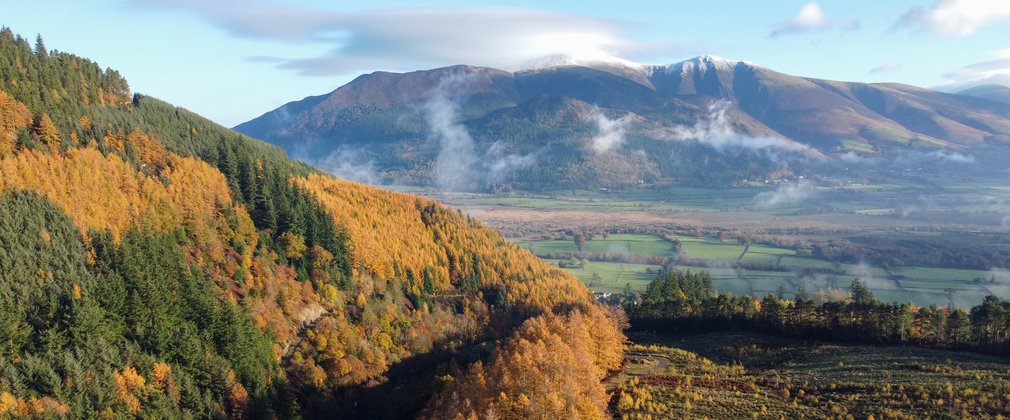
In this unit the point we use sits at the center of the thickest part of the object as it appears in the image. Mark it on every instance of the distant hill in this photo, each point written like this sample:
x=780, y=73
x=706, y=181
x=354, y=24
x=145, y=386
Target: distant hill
x=998, y=93
x=560, y=122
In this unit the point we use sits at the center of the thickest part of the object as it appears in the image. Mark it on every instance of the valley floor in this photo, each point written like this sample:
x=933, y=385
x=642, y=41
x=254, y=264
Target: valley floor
x=950, y=252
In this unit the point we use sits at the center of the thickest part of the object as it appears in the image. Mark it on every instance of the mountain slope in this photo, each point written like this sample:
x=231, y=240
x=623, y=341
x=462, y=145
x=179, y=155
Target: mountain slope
x=744, y=113
x=154, y=264
x=998, y=93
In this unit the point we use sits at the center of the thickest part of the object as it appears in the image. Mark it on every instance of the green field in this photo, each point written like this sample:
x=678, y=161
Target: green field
x=746, y=375
x=921, y=285
x=613, y=276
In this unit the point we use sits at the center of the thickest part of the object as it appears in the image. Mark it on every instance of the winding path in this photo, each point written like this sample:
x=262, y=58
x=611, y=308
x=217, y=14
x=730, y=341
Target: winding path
x=289, y=349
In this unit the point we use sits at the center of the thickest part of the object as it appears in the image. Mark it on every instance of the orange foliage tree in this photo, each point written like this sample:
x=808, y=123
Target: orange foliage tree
x=392, y=233
x=47, y=133
x=551, y=367
x=14, y=116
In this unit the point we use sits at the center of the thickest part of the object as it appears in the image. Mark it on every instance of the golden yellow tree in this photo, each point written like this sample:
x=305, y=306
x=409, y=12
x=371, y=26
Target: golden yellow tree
x=148, y=149
x=47, y=133
x=551, y=367
x=14, y=116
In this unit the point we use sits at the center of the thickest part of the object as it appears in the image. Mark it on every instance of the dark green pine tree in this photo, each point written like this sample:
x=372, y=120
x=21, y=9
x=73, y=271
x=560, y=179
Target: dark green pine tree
x=227, y=163
x=861, y=295
x=40, y=48
x=43, y=265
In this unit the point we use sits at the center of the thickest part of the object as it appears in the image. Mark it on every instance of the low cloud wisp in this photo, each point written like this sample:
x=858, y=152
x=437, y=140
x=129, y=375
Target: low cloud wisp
x=716, y=131
x=459, y=166
x=351, y=164
x=941, y=156
x=457, y=155
x=785, y=195
x=610, y=132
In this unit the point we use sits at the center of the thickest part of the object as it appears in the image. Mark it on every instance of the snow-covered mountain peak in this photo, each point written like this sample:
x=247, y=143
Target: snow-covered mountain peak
x=704, y=63
x=560, y=60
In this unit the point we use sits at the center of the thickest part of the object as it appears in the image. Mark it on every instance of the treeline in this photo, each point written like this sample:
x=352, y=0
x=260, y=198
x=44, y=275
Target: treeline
x=60, y=84
x=686, y=303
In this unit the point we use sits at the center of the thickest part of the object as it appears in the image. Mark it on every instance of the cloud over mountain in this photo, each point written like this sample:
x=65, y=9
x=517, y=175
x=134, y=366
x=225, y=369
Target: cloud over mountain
x=986, y=72
x=411, y=37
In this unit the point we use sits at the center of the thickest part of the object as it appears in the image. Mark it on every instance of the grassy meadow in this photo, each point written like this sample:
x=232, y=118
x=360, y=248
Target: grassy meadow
x=722, y=259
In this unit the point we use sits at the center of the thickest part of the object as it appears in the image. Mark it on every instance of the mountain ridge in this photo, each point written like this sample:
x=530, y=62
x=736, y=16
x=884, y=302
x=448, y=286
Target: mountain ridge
x=383, y=117
x=998, y=93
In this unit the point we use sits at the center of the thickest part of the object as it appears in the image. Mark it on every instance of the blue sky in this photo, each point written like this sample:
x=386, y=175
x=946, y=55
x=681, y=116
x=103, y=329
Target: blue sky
x=232, y=60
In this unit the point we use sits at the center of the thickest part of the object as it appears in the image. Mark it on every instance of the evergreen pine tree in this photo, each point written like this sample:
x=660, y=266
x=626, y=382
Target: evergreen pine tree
x=40, y=48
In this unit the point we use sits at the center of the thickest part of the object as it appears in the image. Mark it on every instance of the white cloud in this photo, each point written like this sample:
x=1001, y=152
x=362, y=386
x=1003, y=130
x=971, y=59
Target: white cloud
x=499, y=164
x=810, y=18
x=888, y=67
x=610, y=133
x=408, y=38
x=920, y=158
x=907, y=159
x=460, y=165
x=457, y=155
x=716, y=131
x=785, y=195
x=955, y=17
x=986, y=72
x=995, y=71
x=854, y=158
x=950, y=156
x=351, y=164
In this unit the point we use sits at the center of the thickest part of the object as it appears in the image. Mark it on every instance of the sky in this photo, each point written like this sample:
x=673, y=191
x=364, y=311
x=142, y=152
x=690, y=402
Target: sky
x=233, y=60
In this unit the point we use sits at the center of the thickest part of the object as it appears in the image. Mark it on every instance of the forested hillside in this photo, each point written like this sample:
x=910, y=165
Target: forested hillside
x=153, y=263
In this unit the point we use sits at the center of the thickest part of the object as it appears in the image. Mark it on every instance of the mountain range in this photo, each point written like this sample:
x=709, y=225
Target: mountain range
x=562, y=122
